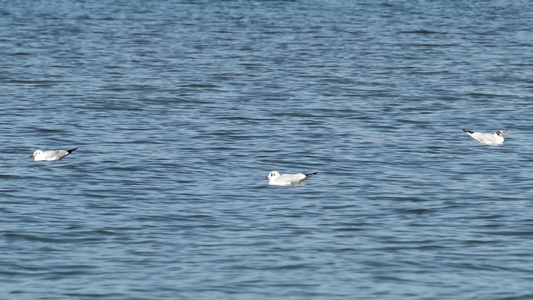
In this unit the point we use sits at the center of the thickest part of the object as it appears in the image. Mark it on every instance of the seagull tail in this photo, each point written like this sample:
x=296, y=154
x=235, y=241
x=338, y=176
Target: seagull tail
x=72, y=150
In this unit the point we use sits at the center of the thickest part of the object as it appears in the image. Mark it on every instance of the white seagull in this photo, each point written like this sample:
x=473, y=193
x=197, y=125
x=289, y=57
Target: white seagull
x=51, y=154
x=487, y=138
x=287, y=179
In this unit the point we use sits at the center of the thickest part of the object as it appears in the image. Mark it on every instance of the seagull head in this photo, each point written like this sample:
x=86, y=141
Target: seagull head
x=37, y=152
x=272, y=174
x=501, y=132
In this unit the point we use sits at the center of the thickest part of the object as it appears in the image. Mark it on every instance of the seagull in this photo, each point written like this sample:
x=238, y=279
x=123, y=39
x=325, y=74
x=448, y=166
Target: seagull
x=51, y=154
x=287, y=179
x=487, y=138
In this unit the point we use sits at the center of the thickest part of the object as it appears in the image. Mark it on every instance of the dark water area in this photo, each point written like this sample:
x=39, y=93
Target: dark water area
x=181, y=108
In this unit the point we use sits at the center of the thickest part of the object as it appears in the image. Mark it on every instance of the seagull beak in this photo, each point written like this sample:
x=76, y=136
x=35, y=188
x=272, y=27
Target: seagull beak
x=266, y=177
x=31, y=155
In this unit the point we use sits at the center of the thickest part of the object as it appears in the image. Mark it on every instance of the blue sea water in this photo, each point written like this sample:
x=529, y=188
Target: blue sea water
x=181, y=108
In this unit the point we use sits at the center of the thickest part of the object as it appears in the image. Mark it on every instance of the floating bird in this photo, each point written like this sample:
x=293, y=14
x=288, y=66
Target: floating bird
x=487, y=138
x=287, y=179
x=51, y=154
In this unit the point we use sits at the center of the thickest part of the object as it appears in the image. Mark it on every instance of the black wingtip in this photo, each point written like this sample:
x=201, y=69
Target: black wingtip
x=310, y=174
x=72, y=150
x=468, y=131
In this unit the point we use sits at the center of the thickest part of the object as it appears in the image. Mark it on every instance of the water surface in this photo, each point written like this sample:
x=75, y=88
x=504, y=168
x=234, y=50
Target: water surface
x=181, y=108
